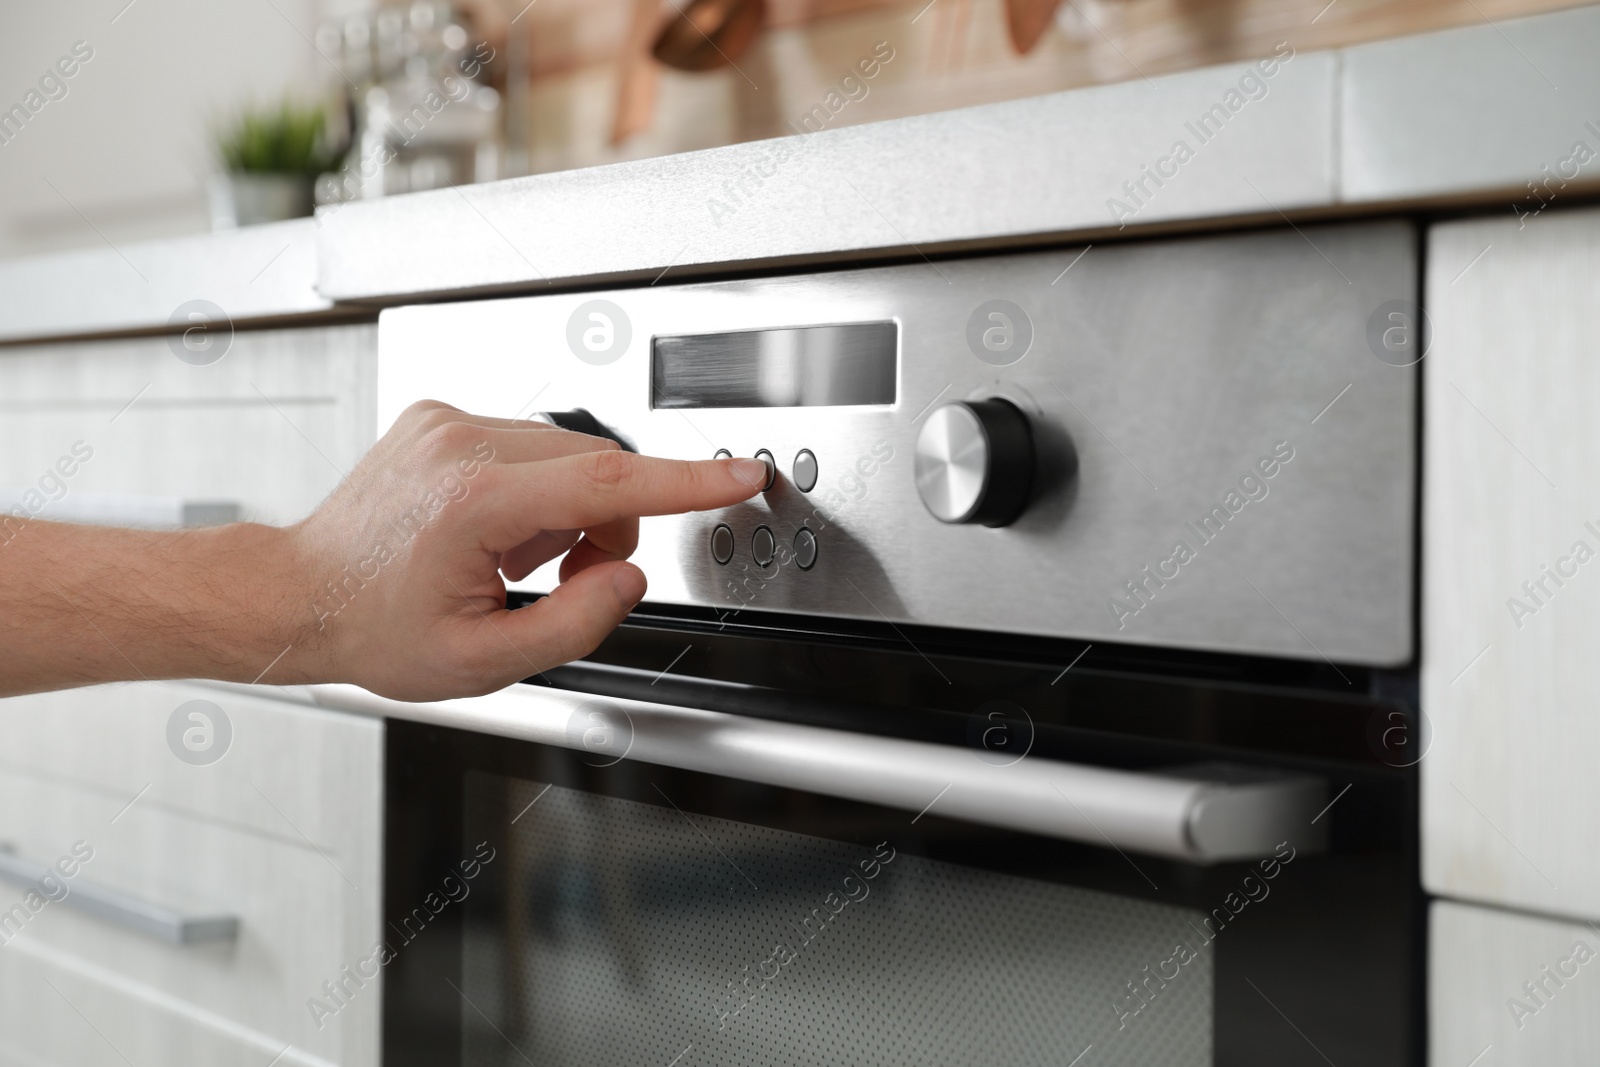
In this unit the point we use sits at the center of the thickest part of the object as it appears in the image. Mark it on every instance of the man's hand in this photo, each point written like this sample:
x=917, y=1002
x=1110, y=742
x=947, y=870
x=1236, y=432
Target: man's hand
x=394, y=583
x=406, y=557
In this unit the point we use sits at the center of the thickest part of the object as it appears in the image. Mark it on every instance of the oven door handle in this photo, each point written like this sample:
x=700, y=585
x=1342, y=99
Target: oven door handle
x=1204, y=813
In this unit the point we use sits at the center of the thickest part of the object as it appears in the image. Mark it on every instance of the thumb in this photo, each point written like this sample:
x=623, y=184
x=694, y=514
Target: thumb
x=574, y=618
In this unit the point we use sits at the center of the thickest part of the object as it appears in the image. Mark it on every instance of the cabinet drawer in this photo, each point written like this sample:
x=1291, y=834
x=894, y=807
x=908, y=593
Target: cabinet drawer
x=282, y=832
x=1482, y=963
x=288, y=768
x=57, y=1012
x=299, y=924
x=272, y=426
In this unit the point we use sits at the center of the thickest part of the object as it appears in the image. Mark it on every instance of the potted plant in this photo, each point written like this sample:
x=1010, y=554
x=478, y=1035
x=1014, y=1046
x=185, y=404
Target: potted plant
x=272, y=158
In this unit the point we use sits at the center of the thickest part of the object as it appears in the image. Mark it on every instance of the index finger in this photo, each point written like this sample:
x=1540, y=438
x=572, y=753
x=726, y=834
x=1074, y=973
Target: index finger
x=594, y=488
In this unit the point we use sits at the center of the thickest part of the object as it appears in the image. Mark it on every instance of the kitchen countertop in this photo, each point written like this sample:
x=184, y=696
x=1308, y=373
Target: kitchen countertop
x=259, y=272
x=1463, y=117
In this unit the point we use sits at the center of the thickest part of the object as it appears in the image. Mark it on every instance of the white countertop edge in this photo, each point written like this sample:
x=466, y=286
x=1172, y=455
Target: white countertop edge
x=256, y=272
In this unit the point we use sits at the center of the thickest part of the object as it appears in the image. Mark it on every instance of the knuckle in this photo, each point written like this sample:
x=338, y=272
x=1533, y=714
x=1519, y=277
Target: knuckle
x=446, y=440
x=422, y=410
x=484, y=495
x=608, y=470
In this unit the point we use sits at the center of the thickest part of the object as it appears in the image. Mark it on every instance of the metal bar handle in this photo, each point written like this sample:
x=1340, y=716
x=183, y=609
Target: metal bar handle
x=117, y=907
x=118, y=509
x=1201, y=814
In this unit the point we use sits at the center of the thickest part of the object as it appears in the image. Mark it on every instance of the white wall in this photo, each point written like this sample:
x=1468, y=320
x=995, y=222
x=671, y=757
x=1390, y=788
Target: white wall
x=129, y=145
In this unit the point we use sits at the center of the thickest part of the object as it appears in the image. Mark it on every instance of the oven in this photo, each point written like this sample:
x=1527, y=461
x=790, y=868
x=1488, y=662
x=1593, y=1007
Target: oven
x=1053, y=704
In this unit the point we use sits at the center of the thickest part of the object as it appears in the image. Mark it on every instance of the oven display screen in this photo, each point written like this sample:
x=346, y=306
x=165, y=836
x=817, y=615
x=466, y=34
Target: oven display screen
x=801, y=367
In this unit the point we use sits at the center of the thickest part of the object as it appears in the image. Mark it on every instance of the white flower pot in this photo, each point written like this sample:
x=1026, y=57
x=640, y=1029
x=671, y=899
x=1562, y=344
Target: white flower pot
x=244, y=199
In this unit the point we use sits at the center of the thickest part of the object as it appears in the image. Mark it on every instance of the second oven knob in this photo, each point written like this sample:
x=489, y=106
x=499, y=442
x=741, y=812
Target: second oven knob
x=974, y=462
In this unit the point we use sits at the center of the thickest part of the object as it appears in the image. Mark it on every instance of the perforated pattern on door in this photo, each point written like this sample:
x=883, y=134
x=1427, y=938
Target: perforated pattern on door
x=630, y=933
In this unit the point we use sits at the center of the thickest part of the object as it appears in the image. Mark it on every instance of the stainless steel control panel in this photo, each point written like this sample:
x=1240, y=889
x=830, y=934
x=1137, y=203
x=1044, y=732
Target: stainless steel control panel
x=1200, y=442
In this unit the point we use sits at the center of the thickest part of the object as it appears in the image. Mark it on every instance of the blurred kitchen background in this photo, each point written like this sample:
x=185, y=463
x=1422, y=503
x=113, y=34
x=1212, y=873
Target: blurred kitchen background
x=178, y=93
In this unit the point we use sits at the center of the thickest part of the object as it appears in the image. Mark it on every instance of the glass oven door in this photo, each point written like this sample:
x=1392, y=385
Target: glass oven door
x=603, y=894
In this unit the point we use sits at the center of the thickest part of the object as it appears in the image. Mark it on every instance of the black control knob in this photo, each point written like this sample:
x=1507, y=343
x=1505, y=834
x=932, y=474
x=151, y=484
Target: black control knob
x=578, y=420
x=974, y=462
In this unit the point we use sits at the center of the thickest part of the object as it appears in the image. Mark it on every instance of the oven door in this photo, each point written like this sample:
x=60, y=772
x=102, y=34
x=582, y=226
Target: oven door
x=576, y=879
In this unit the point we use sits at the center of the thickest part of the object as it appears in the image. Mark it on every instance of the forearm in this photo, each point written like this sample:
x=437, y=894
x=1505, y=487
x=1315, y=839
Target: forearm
x=86, y=604
x=396, y=583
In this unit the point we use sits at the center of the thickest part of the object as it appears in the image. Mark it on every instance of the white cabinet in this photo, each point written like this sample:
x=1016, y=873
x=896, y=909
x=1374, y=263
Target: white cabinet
x=1511, y=563
x=283, y=832
x=272, y=425
x=1509, y=990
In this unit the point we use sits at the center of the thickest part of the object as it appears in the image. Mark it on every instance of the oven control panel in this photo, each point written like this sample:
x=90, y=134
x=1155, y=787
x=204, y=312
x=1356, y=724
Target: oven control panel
x=1202, y=443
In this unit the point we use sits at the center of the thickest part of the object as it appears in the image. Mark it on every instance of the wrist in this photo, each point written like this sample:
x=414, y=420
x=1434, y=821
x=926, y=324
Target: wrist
x=276, y=637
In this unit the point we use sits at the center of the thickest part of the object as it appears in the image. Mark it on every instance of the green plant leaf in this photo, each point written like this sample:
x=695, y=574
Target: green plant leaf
x=290, y=138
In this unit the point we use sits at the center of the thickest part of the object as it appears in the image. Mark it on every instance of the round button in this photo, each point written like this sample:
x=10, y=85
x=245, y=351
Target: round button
x=722, y=543
x=762, y=547
x=772, y=468
x=805, y=471
x=974, y=462
x=805, y=548
x=723, y=453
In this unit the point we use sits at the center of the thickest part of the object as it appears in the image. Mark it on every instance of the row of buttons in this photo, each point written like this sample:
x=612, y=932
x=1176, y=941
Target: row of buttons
x=804, y=470
x=763, y=546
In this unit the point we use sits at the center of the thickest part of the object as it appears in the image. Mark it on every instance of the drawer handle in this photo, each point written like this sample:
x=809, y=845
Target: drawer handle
x=117, y=907
x=118, y=509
